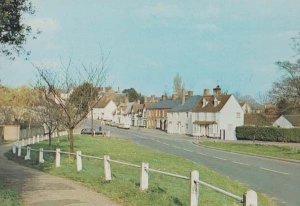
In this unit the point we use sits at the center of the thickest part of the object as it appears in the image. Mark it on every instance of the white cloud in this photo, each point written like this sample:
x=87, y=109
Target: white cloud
x=44, y=24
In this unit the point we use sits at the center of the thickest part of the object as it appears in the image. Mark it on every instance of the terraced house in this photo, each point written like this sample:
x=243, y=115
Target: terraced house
x=210, y=115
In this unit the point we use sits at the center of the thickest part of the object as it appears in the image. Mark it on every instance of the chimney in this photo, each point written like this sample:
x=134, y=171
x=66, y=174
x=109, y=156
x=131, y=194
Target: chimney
x=183, y=97
x=206, y=92
x=190, y=93
x=217, y=90
x=163, y=97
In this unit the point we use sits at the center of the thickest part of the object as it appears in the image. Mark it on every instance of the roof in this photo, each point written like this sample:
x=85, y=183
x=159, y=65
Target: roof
x=293, y=119
x=256, y=119
x=204, y=122
x=165, y=104
x=189, y=104
x=210, y=107
x=136, y=107
x=107, y=97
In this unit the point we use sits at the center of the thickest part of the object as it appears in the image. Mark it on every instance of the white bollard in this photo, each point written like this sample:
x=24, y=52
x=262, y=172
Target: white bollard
x=194, y=184
x=250, y=198
x=107, y=168
x=41, y=155
x=38, y=138
x=33, y=140
x=14, y=148
x=57, y=158
x=78, y=161
x=144, y=178
x=27, y=156
x=19, y=150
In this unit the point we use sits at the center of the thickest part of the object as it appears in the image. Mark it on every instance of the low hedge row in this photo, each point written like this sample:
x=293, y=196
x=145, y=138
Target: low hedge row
x=273, y=134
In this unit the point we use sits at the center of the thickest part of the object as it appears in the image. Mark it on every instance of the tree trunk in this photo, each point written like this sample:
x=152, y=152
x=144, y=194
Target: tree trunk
x=71, y=136
x=49, y=136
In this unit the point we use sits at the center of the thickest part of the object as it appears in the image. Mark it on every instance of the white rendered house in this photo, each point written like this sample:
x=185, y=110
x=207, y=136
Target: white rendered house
x=104, y=110
x=214, y=116
x=287, y=121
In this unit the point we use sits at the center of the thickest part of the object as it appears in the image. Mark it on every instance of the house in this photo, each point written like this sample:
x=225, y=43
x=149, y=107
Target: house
x=137, y=114
x=104, y=108
x=122, y=115
x=287, y=121
x=246, y=107
x=157, y=113
x=215, y=115
x=179, y=118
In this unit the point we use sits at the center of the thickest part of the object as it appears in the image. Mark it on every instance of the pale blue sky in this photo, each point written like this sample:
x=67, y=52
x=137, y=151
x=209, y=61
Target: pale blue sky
x=232, y=42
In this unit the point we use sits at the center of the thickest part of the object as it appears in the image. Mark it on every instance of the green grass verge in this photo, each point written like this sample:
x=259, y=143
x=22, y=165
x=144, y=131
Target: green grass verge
x=8, y=195
x=287, y=152
x=124, y=187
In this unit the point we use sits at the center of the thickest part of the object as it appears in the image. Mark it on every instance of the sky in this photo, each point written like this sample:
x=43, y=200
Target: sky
x=233, y=43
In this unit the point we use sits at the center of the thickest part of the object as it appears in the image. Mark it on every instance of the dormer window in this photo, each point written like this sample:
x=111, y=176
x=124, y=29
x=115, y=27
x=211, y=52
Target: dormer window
x=204, y=102
x=216, y=102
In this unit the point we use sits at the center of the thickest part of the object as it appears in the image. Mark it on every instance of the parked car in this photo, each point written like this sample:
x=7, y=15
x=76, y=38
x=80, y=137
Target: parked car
x=90, y=131
x=124, y=126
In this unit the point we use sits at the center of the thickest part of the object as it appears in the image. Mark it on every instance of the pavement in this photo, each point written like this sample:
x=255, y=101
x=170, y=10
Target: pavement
x=40, y=189
x=277, y=179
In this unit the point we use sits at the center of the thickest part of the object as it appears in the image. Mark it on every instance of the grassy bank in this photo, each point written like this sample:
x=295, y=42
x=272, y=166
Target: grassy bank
x=287, y=152
x=124, y=187
x=8, y=195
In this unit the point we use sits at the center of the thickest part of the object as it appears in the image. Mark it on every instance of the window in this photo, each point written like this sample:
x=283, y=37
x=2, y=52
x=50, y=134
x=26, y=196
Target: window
x=238, y=115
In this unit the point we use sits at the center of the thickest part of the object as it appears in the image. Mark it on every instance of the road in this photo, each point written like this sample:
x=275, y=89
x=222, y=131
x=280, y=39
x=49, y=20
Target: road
x=275, y=178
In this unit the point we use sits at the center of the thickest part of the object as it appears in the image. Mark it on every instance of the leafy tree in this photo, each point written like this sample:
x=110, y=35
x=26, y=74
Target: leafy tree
x=13, y=33
x=177, y=86
x=133, y=95
x=286, y=92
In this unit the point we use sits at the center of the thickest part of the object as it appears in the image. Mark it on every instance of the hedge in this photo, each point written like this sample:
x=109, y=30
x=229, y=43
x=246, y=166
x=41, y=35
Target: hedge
x=273, y=134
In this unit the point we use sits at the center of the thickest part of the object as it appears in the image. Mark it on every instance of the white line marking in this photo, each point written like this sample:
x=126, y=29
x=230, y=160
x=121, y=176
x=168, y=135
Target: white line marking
x=284, y=173
x=187, y=150
x=240, y=163
x=201, y=153
x=220, y=158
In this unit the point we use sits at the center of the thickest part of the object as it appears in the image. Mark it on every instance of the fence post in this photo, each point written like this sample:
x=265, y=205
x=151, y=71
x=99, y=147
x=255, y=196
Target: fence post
x=107, y=168
x=38, y=138
x=250, y=198
x=14, y=149
x=19, y=150
x=27, y=156
x=144, y=176
x=78, y=161
x=194, y=183
x=57, y=158
x=33, y=140
x=41, y=155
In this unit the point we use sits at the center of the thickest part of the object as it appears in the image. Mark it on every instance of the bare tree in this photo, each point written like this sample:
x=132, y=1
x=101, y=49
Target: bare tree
x=177, y=86
x=73, y=92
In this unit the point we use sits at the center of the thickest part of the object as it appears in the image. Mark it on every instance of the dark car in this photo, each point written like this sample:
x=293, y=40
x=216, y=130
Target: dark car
x=91, y=131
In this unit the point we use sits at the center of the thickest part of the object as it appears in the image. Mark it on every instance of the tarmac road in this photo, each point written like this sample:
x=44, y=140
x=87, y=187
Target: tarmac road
x=275, y=178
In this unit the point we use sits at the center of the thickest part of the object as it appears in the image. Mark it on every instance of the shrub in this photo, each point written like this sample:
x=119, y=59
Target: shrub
x=268, y=134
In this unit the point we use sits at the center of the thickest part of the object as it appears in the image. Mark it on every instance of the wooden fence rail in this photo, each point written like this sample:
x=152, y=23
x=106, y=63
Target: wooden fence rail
x=249, y=198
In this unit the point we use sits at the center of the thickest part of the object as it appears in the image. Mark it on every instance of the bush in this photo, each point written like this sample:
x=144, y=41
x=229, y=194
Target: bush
x=273, y=134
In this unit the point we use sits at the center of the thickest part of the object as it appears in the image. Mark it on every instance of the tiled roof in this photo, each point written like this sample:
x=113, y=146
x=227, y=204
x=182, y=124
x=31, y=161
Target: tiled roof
x=256, y=119
x=210, y=107
x=293, y=119
x=189, y=104
x=136, y=107
x=115, y=97
x=165, y=104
